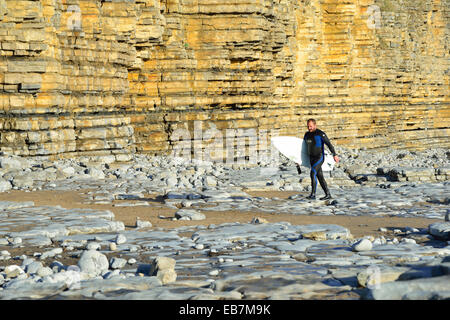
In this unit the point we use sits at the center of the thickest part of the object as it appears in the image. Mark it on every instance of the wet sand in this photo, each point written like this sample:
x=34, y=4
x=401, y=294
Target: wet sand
x=358, y=225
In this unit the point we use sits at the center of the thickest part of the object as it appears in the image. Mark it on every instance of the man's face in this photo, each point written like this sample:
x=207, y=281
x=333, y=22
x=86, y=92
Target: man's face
x=311, y=126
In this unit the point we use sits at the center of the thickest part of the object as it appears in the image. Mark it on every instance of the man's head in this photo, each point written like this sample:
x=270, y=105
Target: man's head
x=311, y=123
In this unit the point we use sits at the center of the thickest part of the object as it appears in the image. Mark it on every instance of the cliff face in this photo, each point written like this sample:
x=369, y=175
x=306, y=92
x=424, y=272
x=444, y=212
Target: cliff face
x=86, y=77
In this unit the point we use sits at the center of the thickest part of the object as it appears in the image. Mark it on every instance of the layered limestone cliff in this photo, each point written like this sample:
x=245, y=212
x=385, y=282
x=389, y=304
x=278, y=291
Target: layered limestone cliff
x=91, y=77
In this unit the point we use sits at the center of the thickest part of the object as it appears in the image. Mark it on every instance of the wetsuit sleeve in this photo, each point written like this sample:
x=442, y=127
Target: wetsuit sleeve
x=328, y=143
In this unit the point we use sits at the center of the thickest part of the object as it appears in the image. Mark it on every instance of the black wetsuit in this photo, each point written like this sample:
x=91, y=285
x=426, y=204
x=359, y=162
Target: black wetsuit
x=315, y=142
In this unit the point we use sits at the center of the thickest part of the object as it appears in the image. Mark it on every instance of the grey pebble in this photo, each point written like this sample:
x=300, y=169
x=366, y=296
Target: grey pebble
x=93, y=262
x=33, y=267
x=362, y=245
x=44, y=271
x=120, y=239
x=117, y=263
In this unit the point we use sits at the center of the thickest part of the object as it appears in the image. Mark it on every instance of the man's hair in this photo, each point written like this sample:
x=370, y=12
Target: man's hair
x=311, y=120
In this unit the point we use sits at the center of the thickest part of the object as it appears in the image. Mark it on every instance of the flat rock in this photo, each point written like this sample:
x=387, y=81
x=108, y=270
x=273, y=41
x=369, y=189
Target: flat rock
x=417, y=289
x=374, y=275
x=9, y=205
x=440, y=230
x=324, y=232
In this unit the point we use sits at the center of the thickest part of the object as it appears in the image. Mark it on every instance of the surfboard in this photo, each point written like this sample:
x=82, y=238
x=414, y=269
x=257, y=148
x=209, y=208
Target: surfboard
x=295, y=150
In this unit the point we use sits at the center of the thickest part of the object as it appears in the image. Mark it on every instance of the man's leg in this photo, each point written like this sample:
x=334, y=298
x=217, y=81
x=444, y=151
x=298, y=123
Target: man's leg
x=312, y=196
x=323, y=184
x=316, y=164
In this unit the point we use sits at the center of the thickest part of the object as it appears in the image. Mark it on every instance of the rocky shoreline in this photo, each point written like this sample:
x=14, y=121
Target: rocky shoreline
x=256, y=260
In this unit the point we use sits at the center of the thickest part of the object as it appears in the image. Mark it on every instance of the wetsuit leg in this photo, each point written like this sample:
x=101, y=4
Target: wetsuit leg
x=316, y=169
x=317, y=175
x=322, y=181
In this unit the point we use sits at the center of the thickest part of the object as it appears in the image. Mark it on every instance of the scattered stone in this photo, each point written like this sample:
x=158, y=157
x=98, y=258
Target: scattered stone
x=5, y=185
x=440, y=230
x=16, y=241
x=117, y=263
x=120, y=239
x=362, y=245
x=315, y=235
x=12, y=163
x=300, y=257
x=44, y=271
x=142, y=224
x=214, y=272
x=395, y=241
x=51, y=253
x=408, y=240
x=210, y=181
x=22, y=182
x=189, y=214
x=33, y=267
x=373, y=276
x=13, y=271
x=411, y=230
x=162, y=267
x=57, y=266
x=93, y=246
x=258, y=220
x=111, y=274
x=95, y=173
x=93, y=262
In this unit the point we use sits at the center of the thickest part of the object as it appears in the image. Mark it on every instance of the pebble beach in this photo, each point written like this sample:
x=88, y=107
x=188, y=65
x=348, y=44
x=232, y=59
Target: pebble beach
x=170, y=228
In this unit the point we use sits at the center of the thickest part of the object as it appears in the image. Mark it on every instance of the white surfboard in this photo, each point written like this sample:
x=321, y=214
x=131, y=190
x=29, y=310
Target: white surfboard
x=295, y=150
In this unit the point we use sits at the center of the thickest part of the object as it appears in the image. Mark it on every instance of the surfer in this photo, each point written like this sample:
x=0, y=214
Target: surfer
x=315, y=140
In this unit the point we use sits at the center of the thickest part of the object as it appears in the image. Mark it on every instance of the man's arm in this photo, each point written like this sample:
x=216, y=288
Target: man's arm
x=328, y=143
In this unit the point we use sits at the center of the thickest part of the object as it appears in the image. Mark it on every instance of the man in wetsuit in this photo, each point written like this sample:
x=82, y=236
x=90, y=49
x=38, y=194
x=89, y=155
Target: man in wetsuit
x=315, y=141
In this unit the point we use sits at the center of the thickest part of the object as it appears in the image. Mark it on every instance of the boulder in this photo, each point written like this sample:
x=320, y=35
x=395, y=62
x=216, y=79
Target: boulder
x=93, y=262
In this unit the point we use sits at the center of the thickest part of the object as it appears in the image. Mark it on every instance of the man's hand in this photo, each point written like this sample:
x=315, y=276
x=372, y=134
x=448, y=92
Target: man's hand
x=299, y=170
x=336, y=159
